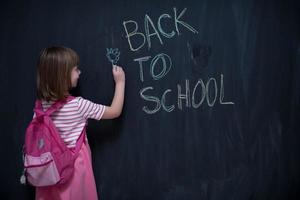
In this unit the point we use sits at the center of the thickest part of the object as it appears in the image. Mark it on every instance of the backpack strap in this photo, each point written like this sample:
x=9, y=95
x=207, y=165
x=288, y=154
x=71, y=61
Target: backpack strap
x=54, y=107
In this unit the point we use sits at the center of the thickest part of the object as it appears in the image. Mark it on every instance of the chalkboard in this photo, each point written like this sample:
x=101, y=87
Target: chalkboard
x=212, y=94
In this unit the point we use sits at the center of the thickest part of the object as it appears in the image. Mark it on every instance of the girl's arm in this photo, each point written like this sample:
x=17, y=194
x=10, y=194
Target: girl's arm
x=115, y=109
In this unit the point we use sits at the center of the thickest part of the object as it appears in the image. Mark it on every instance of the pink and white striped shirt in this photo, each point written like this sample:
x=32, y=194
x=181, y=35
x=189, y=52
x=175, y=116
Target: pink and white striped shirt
x=72, y=117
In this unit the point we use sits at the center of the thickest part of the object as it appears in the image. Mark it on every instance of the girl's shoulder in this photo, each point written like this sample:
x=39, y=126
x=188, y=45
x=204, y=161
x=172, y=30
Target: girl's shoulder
x=80, y=99
x=72, y=100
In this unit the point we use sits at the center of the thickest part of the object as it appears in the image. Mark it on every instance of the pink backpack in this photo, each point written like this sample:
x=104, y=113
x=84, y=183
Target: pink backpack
x=47, y=160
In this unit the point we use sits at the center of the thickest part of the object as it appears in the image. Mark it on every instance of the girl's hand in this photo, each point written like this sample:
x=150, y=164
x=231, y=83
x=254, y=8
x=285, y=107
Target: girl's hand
x=115, y=109
x=118, y=73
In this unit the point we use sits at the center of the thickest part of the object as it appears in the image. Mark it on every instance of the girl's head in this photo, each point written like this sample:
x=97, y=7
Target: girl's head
x=57, y=72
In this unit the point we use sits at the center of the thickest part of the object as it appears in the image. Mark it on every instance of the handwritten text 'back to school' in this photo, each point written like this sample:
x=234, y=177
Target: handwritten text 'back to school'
x=194, y=96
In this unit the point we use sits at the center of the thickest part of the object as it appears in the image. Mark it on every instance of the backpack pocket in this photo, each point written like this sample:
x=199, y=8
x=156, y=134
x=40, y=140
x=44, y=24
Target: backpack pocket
x=42, y=170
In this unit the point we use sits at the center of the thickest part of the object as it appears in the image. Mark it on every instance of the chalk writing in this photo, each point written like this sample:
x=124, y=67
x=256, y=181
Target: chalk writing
x=189, y=96
x=148, y=22
x=113, y=55
x=184, y=96
x=166, y=63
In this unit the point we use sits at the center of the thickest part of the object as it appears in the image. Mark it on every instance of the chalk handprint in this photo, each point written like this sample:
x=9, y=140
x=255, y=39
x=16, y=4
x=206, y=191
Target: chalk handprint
x=113, y=55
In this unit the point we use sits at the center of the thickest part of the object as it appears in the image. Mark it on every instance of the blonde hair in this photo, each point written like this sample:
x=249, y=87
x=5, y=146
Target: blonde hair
x=54, y=69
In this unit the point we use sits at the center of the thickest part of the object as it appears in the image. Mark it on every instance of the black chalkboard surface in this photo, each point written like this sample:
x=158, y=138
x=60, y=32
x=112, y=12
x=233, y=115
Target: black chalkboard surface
x=212, y=94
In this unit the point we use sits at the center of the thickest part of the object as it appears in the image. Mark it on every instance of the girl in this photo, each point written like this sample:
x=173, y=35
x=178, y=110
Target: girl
x=57, y=73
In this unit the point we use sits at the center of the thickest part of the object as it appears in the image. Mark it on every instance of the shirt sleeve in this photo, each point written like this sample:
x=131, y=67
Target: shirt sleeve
x=90, y=110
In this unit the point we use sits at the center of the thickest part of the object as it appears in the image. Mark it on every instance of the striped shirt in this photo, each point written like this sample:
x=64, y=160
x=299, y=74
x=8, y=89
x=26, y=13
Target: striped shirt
x=72, y=117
